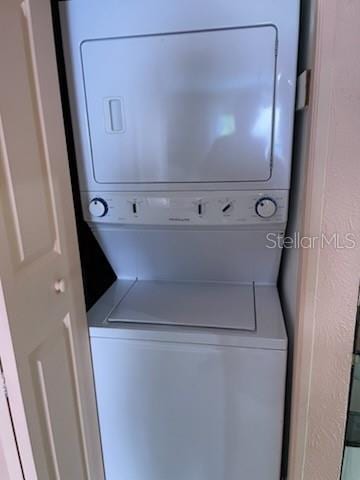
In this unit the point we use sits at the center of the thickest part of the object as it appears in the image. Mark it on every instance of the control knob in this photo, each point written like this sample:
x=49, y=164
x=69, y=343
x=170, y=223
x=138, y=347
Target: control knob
x=98, y=207
x=266, y=207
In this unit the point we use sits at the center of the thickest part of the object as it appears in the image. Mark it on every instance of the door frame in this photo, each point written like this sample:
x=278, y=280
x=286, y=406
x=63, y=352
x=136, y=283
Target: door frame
x=328, y=278
x=10, y=464
x=17, y=417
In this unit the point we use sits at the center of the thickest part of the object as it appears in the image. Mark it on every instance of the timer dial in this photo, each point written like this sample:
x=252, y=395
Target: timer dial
x=98, y=207
x=266, y=207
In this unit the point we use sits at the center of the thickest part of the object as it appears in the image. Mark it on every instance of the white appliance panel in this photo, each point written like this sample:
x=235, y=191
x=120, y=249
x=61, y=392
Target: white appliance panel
x=182, y=107
x=176, y=410
x=202, y=255
x=270, y=333
x=192, y=304
x=233, y=208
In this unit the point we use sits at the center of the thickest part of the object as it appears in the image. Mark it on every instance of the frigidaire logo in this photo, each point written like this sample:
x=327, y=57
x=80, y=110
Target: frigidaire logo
x=177, y=219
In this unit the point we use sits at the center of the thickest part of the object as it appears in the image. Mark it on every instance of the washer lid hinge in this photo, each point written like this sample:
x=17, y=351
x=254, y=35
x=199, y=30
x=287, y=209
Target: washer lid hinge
x=3, y=382
x=303, y=90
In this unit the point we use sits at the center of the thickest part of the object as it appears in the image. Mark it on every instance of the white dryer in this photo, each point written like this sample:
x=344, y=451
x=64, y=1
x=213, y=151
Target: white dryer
x=183, y=118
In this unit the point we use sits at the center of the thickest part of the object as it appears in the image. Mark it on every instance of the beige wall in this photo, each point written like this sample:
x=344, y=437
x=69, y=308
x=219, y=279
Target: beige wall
x=329, y=277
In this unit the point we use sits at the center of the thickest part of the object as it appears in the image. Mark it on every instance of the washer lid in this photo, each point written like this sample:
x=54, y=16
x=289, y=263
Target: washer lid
x=214, y=305
x=181, y=107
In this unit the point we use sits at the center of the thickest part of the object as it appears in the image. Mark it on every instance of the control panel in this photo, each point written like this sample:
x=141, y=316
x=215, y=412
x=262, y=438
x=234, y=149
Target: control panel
x=186, y=208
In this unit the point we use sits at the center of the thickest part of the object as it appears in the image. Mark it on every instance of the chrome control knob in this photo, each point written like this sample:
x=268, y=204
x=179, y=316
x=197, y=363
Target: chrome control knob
x=98, y=207
x=266, y=207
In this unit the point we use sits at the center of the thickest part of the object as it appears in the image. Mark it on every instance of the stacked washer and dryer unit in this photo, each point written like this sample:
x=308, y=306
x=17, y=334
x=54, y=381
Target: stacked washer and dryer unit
x=183, y=118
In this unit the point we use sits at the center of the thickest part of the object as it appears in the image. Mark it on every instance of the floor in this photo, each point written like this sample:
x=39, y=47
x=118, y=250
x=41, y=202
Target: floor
x=351, y=464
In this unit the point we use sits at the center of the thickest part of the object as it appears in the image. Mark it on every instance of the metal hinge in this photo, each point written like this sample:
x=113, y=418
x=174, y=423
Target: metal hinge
x=3, y=382
x=303, y=90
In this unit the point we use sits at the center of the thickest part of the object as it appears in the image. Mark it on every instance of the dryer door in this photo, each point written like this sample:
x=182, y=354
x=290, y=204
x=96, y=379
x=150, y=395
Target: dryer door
x=181, y=107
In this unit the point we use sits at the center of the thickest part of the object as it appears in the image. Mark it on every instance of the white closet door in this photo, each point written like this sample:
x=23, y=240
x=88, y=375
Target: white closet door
x=44, y=339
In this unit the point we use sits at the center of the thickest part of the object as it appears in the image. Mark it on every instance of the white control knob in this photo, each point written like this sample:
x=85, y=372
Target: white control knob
x=98, y=207
x=266, y=207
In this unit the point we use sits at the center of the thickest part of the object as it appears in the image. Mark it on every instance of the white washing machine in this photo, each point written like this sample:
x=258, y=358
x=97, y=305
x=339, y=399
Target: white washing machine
x=183, y=116
x=190, y=380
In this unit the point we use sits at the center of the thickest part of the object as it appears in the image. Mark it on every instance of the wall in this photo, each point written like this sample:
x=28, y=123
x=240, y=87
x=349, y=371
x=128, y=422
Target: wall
x=329, y=276
x=10, y=468
x=3, y=465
